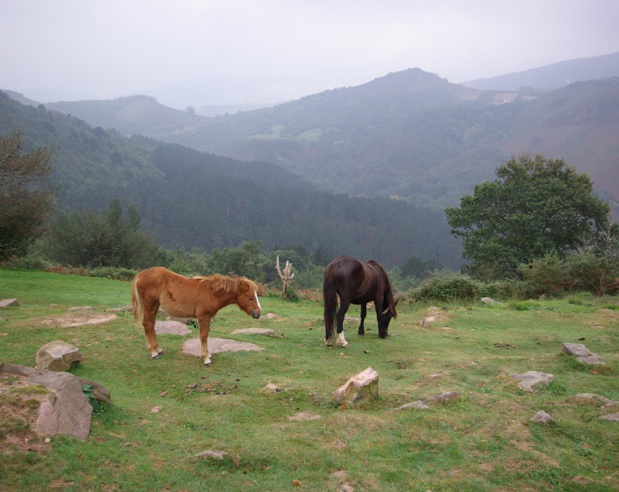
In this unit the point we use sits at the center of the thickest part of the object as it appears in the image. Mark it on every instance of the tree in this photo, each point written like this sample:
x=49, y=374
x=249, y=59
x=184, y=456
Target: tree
x=25, y=194
x=98, y=239
x=534, y=207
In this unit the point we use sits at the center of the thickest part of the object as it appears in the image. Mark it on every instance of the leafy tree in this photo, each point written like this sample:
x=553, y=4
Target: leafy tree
x=534, y=207
x=25, y=195
x=97, y=239
x=419, y=267
x=245, y=260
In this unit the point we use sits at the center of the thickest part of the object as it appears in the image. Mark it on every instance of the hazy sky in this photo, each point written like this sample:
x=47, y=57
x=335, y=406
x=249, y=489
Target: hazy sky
x=78, y=49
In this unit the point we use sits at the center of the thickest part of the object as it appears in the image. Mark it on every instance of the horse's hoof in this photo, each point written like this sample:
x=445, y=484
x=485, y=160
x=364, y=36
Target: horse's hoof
x=208, y=363
x=154, y=356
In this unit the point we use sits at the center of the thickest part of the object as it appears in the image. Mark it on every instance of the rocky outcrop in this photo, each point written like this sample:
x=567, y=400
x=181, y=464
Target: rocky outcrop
x=65, y=410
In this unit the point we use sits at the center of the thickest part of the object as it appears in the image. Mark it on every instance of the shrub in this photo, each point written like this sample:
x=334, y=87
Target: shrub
x=447, y=286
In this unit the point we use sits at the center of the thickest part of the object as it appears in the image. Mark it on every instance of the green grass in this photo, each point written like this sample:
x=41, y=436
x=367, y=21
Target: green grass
x=483, y=441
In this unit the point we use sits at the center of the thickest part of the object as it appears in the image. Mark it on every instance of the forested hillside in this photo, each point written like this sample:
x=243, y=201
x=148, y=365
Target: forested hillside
x=411, y=134
x=190, y=199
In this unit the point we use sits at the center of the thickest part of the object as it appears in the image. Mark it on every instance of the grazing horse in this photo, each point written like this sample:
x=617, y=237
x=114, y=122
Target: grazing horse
x=197, y=297
x=356, y=282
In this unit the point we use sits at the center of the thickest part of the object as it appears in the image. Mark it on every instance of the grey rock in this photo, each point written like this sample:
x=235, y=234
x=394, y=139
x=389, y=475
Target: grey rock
x=254, y=331
x=5, y=303
x=217, y=345
x=358, y=389
x=489, y=300
x=172, y=328
x=582, y=353
x=212, y=454
x=66, y=409
x=613, y=417
x=531, y=379
x=542, y=417
x=57, y=356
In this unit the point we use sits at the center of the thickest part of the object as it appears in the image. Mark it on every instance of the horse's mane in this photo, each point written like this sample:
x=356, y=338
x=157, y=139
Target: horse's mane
x=224, y=284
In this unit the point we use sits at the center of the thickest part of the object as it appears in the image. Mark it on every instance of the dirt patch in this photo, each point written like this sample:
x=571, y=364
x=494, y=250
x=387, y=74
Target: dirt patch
x=77, y=318
x=20, y=399
x=434, y=316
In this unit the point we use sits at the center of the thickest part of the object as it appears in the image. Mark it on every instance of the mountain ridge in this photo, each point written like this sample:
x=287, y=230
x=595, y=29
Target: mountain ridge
x=410, y=134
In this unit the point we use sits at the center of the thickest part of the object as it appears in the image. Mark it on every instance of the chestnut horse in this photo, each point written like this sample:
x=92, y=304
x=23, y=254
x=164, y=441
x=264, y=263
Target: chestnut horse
x=197, y=297
x=356, y=282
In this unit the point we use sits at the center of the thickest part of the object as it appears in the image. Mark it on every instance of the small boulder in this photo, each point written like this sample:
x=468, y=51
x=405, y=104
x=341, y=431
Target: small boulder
x=489, y=300
x=531, y=379
x=542, y=417
x=171, y=327
x=613, y=417
x=5, y=303
x=212, y=454
x=57, y=356
x=358, y=389
x=582, y=353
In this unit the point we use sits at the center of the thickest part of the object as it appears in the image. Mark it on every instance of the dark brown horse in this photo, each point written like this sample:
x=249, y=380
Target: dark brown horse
x=197, y=297
x=356, y=282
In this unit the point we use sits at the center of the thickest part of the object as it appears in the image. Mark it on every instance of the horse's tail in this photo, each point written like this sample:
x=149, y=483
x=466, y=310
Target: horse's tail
x=329, y=297
x=136, y=301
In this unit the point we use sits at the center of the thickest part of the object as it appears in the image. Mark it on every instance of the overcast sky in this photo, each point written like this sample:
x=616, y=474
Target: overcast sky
x=79, y=49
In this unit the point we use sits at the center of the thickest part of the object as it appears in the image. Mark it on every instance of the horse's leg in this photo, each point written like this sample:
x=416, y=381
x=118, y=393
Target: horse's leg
x=344, y=305
x=328, y=329
x=378, y=306
x=204, y=324
x=150, y=316
x=364, y=312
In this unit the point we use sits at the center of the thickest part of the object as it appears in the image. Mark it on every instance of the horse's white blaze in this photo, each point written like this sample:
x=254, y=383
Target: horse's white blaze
x=257, y=300
x=341, y=340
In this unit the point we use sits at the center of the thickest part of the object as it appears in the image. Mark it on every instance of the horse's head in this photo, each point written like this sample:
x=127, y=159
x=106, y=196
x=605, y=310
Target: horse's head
x=387, y=315
x=247, y=298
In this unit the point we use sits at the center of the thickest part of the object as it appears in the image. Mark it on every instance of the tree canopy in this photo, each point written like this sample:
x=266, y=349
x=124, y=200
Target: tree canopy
x=534, y=207
x=25, y=195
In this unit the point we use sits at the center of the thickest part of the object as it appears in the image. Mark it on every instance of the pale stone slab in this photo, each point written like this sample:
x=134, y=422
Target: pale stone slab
x=217, y=345
x=5, y=303
x=172, y=328
x=531, y=379
x=582, y=353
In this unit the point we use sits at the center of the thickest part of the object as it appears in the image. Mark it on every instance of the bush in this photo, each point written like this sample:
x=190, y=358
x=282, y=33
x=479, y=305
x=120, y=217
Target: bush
x=586, y=269
x=447, y=286
x=504, y=289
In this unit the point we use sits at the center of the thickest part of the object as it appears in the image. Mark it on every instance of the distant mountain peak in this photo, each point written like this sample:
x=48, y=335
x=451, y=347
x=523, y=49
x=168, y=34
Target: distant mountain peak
x=413, y=78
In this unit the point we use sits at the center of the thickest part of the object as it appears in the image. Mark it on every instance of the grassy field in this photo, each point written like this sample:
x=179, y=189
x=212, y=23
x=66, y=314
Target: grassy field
x=166, y=411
